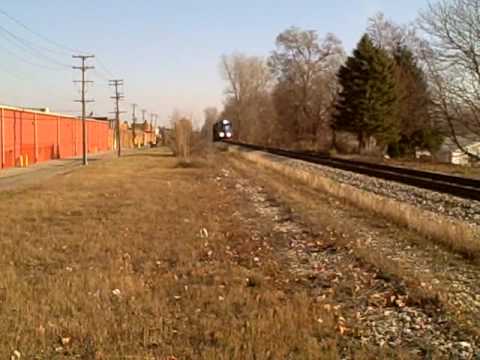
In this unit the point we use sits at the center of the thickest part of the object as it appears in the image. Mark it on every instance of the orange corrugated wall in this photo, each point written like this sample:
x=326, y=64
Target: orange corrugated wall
x=43, y=136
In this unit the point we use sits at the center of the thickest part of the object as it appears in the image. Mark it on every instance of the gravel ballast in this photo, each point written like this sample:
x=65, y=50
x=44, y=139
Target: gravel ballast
x=451, y=206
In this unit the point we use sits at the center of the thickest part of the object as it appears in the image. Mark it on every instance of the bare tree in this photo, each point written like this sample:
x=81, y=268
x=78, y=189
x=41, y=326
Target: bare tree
x=305, y=67
x=211, y=117
x=248, y=80
x=183, y=139
x=389, y=36
x=453, y=28
x=174, y=117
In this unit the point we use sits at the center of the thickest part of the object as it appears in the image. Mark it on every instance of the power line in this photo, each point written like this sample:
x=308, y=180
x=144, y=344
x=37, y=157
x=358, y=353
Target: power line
x=101, y=76
x=84, y=68
x=26, y=61
x=104, y=67
x=14, y=74
x=27, y=45
x=65, y=49
x=58, y=45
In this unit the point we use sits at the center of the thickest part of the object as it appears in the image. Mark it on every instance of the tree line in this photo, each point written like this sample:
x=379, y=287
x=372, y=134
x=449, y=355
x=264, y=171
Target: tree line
x=404, y=87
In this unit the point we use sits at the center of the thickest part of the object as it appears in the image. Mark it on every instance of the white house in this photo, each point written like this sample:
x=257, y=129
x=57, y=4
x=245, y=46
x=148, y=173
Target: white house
x=450, y=153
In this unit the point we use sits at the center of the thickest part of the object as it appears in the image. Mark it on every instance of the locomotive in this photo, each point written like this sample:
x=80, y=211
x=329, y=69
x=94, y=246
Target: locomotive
x=222, y=130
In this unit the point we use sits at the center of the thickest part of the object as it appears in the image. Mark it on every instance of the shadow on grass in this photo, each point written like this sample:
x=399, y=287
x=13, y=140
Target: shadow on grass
x=182, y=164
x=146, y=155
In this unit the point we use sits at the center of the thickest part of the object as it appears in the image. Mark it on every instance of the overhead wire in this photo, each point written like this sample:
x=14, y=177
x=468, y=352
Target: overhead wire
x=26, y=27
x=27, y=61
x=12, y=74
x=28, y=46
x=65, y=49
x=104, y=67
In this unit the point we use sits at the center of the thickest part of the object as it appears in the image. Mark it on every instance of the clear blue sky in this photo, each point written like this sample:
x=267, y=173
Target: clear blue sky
x=167, y=51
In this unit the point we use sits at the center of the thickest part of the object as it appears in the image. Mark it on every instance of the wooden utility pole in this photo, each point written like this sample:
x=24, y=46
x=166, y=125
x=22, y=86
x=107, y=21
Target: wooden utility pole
x=134, y=123
x=153, y=127
x=118, y=96
x=84, y=68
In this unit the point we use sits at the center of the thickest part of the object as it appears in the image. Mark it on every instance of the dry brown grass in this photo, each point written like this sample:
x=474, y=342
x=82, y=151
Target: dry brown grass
x=456, y=235
x=111, y=262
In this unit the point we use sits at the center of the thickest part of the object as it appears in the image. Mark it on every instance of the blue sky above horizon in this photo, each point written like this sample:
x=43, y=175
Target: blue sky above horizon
x=166, y=51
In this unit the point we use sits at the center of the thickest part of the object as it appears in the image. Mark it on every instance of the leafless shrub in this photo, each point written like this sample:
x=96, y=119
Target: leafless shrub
x=183, y=139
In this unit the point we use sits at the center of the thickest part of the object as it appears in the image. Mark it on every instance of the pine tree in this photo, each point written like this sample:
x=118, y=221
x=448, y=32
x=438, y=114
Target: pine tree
x=367, y=102
x=413, y=115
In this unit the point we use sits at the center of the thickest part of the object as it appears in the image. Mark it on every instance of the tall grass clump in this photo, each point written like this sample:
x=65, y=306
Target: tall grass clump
x=183, y=139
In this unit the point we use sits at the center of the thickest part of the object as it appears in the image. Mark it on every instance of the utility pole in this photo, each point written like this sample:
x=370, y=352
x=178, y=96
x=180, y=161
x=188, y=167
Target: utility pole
x=153, y=126
x=134, y=123
x=118, y=96
x=144, y=112
x=84, y=68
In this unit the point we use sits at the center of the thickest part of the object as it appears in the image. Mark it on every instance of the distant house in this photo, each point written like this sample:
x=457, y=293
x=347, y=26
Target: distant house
x=450, y=152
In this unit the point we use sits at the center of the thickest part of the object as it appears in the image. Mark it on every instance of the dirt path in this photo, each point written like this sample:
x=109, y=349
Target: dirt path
x=14, y=178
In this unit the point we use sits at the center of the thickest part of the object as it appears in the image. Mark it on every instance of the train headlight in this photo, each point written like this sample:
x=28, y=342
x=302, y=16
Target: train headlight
x=229, y=135
x=221, y=134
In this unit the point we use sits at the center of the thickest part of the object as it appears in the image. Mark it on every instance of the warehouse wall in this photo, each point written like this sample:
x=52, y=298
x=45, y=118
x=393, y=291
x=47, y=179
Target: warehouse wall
x=43, y=136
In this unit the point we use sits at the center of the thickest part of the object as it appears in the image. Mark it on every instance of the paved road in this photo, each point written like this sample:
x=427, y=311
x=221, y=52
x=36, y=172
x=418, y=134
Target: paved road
x=13, y=178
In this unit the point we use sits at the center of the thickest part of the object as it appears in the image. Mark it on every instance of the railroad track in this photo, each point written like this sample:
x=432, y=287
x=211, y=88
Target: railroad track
x=466, y=188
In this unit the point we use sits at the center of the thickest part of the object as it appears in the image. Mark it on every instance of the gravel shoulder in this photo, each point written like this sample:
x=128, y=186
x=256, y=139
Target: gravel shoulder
x=437, y=203
x=432, y=291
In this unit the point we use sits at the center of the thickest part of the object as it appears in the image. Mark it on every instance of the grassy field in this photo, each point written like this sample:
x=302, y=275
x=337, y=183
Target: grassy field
x=147, y=257
x=140, y=258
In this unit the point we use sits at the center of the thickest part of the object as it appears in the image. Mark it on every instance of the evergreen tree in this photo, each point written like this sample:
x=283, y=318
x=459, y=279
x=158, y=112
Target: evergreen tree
x=416, y=126
x=367, y=101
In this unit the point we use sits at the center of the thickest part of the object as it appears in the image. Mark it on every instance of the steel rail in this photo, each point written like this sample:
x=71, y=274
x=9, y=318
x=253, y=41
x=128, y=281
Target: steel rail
x=466, y=188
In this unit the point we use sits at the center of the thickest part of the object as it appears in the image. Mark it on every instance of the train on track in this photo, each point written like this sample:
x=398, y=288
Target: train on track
x=222, y=130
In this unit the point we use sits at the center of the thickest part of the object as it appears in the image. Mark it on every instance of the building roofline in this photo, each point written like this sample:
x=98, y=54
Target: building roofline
x=33, y=111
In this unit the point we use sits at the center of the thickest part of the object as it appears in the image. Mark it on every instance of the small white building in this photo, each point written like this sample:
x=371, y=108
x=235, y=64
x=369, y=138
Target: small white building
x=450, y=152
